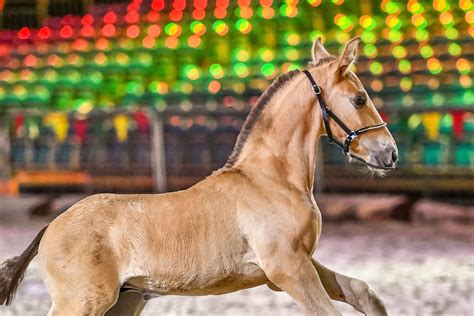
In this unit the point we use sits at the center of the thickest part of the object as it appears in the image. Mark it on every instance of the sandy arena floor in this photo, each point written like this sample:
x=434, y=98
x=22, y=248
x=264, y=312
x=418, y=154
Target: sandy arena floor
x=417, y=270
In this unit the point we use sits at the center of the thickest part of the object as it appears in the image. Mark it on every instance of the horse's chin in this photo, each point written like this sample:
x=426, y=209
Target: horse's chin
x=369, y=170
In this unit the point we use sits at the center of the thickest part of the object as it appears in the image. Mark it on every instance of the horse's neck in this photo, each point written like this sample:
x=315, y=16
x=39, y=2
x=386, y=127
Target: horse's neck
x=282, y=147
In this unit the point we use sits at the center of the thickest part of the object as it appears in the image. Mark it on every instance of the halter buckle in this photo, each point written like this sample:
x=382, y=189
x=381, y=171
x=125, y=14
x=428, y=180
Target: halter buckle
x=351, y=136
x=316, y=89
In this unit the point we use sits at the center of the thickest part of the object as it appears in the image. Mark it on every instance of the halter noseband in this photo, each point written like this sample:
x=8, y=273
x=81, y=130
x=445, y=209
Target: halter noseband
x=351, y=135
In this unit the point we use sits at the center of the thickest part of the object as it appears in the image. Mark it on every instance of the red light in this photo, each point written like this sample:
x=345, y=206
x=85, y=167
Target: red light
x=266, y=3
x=110, y=18
x=179, y=5
x=176, y=15
x=87, y=19
x=108, y=30
x=154, y=30
x=24, y=33
x=133, y=31
x=153, y=16
x=30, y=60
x=149, y=42
x=220, y=12
x=200, y=4
x=80, y=44
x=222, y=3
x=44, y=32
x=88, y=31
x=194, y=41
x=133, y=7
x=158, y=5
x=243, y=3
x=132, y=17
x=199, y=14
x=66, y=31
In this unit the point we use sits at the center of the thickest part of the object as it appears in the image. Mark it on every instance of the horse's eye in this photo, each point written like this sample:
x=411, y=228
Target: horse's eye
x=360, y=100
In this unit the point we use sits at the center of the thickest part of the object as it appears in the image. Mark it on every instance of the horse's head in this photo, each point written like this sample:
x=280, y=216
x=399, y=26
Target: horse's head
x=346, y=98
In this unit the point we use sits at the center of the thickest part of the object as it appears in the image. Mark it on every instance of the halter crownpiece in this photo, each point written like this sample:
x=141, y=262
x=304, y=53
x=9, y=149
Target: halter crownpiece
x=351, y=134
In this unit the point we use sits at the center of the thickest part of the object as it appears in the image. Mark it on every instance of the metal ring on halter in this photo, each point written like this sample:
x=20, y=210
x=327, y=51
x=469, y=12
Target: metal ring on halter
x=316, y=89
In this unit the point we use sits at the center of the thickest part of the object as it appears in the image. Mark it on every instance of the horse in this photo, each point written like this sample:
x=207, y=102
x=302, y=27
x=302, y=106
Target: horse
x=252, y=222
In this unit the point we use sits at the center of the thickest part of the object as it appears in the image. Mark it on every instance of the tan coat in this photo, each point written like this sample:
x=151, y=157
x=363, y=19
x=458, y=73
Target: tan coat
x=250, y=223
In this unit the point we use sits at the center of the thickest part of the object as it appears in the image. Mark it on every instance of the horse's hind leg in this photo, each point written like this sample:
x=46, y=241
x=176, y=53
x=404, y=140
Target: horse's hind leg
x=129, y=303
x=352, y=291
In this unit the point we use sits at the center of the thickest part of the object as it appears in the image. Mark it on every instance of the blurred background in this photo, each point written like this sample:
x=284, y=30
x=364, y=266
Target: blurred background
x=149, y=96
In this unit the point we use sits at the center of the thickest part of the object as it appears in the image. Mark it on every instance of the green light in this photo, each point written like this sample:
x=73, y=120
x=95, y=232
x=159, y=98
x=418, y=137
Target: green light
x=454, y=49
x=293, y=66
x=368, y=37
x=391, y=7
x=451, y=33
x=266, y=54
x=220, y=27
x=42, y=92
x=376, y=68
x=315, y=34
x=134, y=88
x=426, y=51
x=171, y=29
x=342, y=21
x=96, y=77
x=241, y=70
x=145, y=59
x=399, y=52
x=197, y=27
x=404, y=66
x=394, y=36
x=416, y=8
x=468, y=97
x=268, y=69
x=291, y=53
x=243, y=25
x=406, y=83
x=283, y=9
x=368, y=22
x=192, y=72
x=216, y=71
x=242, y=54
x=370, y=50
x=421, y=35
x=434, y=66
x=437, y=99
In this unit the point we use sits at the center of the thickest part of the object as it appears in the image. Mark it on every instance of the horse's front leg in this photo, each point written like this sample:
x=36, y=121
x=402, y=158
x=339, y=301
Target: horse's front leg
x=352, y=291
x=295, y=274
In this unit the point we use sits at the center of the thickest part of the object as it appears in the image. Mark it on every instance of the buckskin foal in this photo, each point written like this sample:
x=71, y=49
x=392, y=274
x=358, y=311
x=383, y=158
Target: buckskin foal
x=252, y=222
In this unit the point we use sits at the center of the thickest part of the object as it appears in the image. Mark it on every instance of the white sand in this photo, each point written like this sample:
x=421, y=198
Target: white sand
x=417, y=270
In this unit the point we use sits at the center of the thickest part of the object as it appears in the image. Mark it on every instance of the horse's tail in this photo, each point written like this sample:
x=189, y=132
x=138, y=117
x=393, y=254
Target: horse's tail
x=13, y=270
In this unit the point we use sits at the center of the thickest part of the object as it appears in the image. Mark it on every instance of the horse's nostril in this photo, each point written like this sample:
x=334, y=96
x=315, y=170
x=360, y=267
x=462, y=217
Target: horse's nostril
x=394, y=155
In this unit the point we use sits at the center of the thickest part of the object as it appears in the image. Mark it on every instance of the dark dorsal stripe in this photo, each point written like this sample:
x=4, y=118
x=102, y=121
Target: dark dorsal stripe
x=256, y=112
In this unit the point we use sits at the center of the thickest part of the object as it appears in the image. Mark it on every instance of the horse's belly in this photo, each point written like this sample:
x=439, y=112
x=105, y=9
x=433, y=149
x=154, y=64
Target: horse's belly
x=249, y=275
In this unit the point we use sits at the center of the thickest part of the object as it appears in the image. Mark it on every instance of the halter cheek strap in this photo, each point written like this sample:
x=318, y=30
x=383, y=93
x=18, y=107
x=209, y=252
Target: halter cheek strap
x=350, y=134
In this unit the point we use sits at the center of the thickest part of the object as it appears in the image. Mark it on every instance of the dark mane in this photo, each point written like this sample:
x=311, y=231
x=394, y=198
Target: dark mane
x=254, y=114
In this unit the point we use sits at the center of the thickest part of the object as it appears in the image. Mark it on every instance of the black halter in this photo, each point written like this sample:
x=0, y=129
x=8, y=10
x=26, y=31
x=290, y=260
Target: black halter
x=351, y=135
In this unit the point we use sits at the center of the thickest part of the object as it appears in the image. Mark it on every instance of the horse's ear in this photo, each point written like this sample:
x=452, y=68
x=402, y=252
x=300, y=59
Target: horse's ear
x=349, y=56
x=318, y=51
